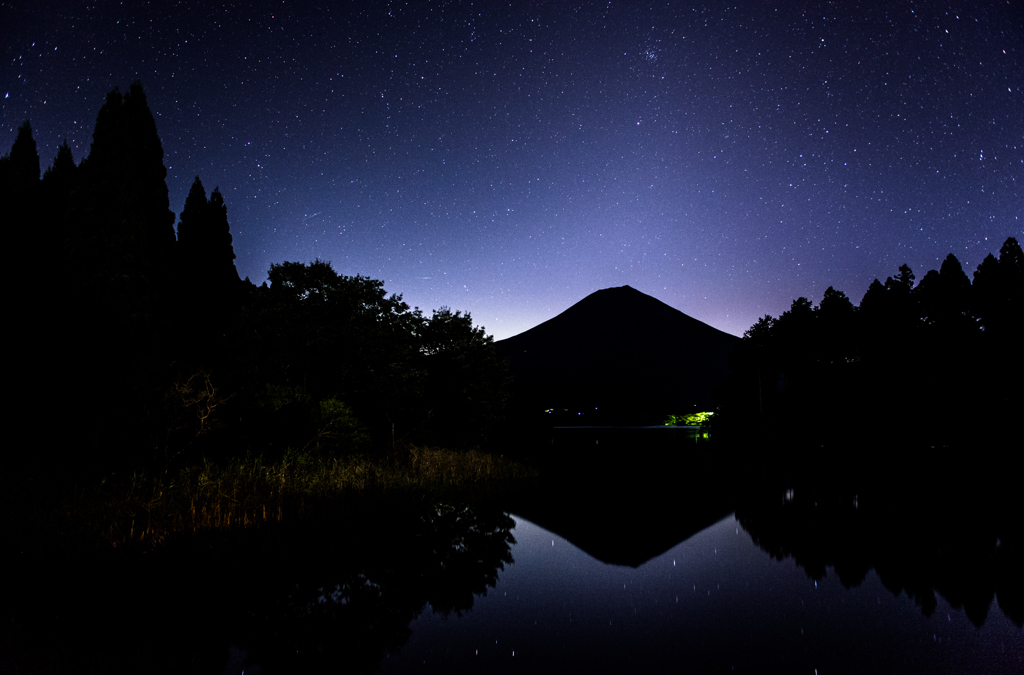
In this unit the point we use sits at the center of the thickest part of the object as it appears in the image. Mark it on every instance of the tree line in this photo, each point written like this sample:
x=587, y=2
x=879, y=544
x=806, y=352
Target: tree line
x=137, y=340
x=937, y=362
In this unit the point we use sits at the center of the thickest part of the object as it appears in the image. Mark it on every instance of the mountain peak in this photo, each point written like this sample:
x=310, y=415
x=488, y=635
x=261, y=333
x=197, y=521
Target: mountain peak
x=618, y=347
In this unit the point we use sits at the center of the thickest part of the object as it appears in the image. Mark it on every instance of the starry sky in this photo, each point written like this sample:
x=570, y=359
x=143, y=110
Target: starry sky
x=508, y=159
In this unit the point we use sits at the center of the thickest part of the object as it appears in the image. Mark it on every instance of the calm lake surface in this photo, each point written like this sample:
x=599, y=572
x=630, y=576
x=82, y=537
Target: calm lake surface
x=641, y=551
x=714, y=603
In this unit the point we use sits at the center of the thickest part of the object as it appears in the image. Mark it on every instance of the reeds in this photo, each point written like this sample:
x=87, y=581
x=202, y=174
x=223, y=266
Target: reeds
x=249, y=492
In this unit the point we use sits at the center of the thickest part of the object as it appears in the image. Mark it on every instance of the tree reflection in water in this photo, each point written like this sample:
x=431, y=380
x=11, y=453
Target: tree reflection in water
x=952, y=531
x=353, y=608
x=332, y=595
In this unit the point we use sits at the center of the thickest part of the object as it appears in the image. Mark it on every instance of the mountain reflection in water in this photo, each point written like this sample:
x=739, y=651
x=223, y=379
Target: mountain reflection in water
x=823, y=570
x=715, y=603
x=827, y=565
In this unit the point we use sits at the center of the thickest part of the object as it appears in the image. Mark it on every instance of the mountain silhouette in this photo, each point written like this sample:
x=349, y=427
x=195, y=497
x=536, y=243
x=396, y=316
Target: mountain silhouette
x=617, y=356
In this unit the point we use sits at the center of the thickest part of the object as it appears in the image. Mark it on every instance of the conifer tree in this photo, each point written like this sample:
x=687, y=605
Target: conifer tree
x=190, y=226
x=19, y=177
x=19, y=169
x=62, y=171
x=59, y=182
x=116, y=274
x=835, y=329
x=219, y=253
x=997, y=294
x=19, y=194
x=206, y=257
x=985, y=294
x=125, y=226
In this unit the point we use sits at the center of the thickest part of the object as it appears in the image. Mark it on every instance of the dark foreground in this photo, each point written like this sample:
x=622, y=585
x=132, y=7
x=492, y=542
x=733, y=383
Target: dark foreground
x=659, y=553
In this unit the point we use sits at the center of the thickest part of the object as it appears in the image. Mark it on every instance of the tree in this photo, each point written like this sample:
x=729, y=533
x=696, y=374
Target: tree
x=114, y=277
x=204, y=239
x=19, y=169
x=836, y=328
x=466, y=380
x=333, y=336
x=987, y=294
x=209, y=288
x=191, y=224
x=755, y=369
x=944, y=298
x=796, y=336
x=123, y=241
x=928, y=350
x=59, y=184
x=19, y=193
x=997, y=302
x=25, y=243
x=1011, y=273
x=905, y=279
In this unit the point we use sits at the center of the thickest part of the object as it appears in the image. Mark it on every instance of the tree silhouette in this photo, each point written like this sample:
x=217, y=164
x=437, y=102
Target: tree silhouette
x=19, y=169
x=331, y=336
x=19, y=192
x=112, y=220
x=944, y=345
x=123, y=238
x=204, y=241
x=998, y=291
x=153, y=308
x=209, y=290
x=24, y=235
x=466, y=380
x=59, y=183
x=944, y=298
x=835, y=318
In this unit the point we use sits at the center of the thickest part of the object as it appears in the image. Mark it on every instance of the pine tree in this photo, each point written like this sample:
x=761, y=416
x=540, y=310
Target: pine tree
x=19, y=179
x=19, y=169
x=19, y=194
x=124, y=239
x=206, y=257
x=116, y=274
x=58, y=186
x=220, y=254
x=190, y=228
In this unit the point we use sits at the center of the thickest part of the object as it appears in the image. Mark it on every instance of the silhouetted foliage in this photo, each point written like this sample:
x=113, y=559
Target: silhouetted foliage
x=166, y=337
x=59, y=183
x=908, y=357
x=208, y=289
x=19, y=169
x=124, y=234
x=466, y=381
x=333, y=594
x=965, y=544
x=343, y=338
x=204, y=242
x=19, y=194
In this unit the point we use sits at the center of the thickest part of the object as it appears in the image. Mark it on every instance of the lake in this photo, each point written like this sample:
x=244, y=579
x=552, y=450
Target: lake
x=640, y=552
x=714, y=603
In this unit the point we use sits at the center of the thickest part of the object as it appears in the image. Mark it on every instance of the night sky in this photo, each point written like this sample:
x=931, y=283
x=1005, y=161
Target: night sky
x=508, y=159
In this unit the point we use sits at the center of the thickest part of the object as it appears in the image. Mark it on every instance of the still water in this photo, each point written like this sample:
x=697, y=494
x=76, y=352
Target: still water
x=638, y=553
x=713, y=603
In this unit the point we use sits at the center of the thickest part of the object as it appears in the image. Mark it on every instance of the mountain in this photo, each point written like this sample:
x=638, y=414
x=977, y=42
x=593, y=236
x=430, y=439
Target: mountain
x=629, y=356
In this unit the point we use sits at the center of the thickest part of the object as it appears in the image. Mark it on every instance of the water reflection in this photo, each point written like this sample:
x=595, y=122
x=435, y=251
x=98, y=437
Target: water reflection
x=953, y=538
x=626, y=495
x=715, y=602
x=336, y=595
x=355, y=603
x=628, y=560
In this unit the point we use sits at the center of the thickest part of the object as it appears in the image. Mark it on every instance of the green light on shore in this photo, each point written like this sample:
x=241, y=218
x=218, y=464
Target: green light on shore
x=697, y=419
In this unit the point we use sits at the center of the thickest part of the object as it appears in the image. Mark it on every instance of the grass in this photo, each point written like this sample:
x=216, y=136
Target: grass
x=145, y=509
